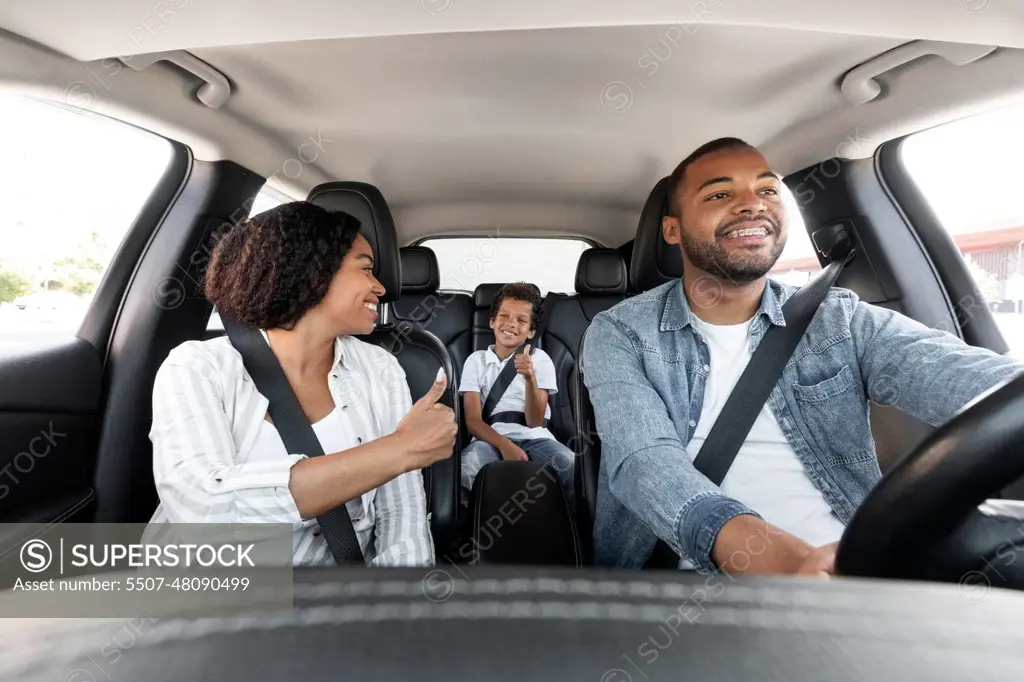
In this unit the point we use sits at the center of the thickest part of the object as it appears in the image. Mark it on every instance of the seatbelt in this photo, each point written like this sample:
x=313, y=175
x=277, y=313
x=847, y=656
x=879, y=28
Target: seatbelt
x=501, y=384
x=753, y=388
x=293, y=426
x=512, y=418
x=761, y=374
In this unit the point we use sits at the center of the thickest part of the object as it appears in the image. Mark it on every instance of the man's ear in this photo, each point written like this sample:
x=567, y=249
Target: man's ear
x=670, y=227
x=490, y=323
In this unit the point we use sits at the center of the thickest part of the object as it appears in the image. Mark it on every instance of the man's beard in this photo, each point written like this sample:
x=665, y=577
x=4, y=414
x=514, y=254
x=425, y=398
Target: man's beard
x=714, y=259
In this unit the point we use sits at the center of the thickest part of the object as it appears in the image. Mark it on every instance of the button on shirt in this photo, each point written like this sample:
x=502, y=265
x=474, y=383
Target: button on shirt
x=216, y=459
x=481, y=371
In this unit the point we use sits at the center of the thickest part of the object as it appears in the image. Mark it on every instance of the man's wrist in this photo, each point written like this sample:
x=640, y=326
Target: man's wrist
x=749, y=544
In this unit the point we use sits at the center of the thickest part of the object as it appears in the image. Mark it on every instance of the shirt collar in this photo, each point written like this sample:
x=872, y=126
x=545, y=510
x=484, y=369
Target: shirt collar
x=339, y=349
x=677, y=313
x=490, y=357
x=339, y=352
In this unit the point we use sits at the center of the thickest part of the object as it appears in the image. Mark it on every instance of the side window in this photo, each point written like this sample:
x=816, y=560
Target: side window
x=798, y=263
x=465, y=262
x=72, y=184
x=969, y=173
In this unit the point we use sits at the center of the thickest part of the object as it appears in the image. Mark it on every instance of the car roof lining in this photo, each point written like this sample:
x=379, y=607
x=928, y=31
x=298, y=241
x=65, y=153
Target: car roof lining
x=484, y=119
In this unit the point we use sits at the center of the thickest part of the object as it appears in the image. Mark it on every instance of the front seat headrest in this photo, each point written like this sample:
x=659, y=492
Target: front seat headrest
x=655, y=261
x=364, y=202
x=601, y=272
x=420, y=273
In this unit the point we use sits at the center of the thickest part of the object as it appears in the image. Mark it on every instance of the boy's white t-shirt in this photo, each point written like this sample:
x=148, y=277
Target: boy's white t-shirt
x=481, y=371
x=766, y=475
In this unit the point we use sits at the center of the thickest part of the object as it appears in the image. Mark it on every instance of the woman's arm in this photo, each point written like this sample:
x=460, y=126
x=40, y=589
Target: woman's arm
x=195, y=465
x=198, y=475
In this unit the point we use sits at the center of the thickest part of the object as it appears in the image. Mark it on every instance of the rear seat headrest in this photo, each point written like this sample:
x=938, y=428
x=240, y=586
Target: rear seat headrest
x=420, y=273
x=655, y=261
x=483, y=295
x=366, y=203
x=601, y=272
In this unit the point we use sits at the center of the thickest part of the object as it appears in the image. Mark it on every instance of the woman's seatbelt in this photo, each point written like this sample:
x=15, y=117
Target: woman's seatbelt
x=292, y=424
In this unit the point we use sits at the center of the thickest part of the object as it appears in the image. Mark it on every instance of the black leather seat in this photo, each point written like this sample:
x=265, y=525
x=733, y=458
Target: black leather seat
x=654, y=262
x=601, y=282
x=448, y=315
x=419, y=352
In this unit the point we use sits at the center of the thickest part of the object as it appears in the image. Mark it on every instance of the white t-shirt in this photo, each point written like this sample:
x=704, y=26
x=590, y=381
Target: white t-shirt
x=335, y=433
x=766, y=475
x=481, y=371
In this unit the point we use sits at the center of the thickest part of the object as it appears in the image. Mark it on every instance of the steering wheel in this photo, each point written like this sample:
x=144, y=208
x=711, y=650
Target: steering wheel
x=930, y=517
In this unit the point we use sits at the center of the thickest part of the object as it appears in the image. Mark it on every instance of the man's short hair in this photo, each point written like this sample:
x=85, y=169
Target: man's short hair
x=676, y=179
x=519, y=291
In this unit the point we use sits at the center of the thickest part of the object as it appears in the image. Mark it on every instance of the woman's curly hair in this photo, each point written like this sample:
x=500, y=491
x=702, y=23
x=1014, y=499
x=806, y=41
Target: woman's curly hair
x=269, y=271
x=519, y=291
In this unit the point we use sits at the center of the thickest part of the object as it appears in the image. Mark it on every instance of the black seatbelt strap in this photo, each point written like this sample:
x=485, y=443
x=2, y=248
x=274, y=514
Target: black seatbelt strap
x=293, y=426
x=761, y=374
x=753, y=388
x=512, y=418
x=501, y=384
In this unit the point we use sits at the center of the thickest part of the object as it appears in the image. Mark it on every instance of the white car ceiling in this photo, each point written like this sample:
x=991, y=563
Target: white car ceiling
x=535, y=117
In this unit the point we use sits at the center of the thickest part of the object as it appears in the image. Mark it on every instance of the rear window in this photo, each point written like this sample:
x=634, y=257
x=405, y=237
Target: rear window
x=465, y=262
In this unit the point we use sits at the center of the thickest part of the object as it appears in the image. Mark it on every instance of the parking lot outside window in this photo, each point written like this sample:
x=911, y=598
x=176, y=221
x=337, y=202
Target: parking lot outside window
x=969, y=173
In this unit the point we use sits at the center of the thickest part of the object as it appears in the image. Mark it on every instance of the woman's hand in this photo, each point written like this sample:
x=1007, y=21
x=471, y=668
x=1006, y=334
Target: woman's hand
x=427, y=432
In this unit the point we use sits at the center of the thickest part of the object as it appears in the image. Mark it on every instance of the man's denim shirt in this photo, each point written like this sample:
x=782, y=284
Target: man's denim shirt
x=646, y=367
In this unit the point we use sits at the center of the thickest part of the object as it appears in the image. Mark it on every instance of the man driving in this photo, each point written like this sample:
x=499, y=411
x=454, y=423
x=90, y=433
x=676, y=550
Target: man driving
x=660, y=366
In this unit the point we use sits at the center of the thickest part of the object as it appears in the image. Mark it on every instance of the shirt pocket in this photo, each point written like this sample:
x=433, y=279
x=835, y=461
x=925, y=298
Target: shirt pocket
x=834, y=412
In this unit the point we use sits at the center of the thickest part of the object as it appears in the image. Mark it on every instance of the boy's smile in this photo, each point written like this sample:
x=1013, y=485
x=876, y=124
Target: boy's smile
x=513, y=326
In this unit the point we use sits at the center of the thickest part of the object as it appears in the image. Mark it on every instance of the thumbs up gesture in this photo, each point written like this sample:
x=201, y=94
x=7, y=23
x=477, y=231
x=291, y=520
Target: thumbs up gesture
x=427, y=432
x=524, y=364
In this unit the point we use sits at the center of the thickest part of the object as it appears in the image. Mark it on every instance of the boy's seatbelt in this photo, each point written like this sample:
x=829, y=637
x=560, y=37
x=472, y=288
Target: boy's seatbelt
x=756, y=383
x=294, y=428
x=501, y=384
x=508, y=375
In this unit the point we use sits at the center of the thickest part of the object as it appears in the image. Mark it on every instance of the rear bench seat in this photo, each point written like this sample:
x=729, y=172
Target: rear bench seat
x=445, y=314
x=601, y=282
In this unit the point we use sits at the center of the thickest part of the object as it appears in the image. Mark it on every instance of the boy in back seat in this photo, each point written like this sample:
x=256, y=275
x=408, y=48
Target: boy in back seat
x=511, y=424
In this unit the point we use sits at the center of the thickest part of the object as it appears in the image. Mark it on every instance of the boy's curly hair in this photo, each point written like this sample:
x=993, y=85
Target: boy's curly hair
x=519, y=291
x=269, y=271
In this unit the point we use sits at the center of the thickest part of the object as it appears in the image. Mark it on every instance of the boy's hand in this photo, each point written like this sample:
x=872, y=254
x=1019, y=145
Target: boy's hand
x=524, y=364
x=512, y=452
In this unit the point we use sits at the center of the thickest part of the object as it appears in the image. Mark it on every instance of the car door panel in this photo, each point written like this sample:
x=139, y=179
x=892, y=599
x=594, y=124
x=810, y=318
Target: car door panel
x=49, y=405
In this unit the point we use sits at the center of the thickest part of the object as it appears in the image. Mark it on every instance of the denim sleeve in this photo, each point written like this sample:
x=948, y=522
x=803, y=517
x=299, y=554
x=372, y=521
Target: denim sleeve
x=648, y=470
x=928, y=373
